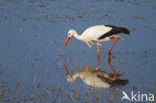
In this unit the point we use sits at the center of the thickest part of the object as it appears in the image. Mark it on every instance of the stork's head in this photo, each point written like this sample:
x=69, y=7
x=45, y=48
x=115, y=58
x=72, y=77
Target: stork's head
x=69, y=78
x=71, y=32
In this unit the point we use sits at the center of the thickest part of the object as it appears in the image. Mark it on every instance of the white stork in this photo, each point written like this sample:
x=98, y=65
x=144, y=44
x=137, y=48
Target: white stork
x=99, y=34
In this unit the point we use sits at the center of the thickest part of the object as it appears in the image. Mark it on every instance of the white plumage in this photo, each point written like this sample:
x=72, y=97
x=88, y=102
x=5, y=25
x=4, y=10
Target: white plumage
x=94, y=32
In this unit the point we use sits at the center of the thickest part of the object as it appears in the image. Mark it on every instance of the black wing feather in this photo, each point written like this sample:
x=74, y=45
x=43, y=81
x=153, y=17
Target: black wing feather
x=105, y=79
x=114, y=31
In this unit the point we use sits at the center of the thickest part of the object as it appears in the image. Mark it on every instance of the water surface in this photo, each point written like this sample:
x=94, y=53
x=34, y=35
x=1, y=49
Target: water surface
x=33, y=33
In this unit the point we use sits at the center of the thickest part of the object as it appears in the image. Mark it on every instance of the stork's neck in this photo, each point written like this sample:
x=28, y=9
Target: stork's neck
x=75, y=76
x=77, y=36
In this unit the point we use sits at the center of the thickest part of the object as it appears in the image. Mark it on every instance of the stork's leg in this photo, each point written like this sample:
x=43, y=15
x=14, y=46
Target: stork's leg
x=116, y=39
x=110, y=65
x=98, y=53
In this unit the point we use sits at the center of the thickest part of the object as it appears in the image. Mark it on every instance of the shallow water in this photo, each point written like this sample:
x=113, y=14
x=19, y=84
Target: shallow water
x=33, y=33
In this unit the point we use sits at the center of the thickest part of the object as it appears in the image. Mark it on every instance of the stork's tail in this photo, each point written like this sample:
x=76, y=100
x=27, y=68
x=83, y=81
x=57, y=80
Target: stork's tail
x=124, y=30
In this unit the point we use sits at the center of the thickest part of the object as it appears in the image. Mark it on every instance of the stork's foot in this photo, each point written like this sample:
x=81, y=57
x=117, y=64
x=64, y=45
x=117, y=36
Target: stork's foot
x=115, y=76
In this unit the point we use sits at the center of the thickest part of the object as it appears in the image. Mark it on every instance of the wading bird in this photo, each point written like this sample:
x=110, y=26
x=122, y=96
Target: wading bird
x=96, y=78
x=98, y=33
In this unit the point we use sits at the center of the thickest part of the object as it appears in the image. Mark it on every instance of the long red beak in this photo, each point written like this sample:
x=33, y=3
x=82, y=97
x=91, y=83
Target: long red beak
x=66, y=70
x=66, y=41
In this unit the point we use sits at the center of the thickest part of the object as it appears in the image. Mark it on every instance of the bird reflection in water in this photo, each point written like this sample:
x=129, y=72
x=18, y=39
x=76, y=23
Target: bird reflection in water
x=97, y=78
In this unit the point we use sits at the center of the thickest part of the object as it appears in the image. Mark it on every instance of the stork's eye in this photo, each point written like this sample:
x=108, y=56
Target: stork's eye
x=69, y=34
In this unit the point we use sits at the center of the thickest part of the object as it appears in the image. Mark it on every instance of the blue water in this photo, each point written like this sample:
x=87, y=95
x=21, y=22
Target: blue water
x=33, y=33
